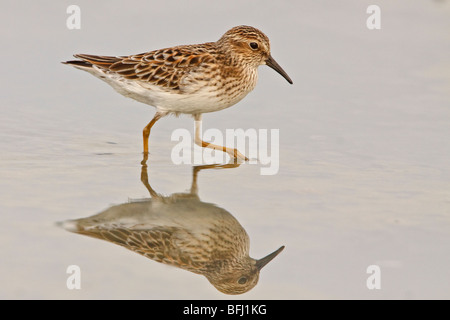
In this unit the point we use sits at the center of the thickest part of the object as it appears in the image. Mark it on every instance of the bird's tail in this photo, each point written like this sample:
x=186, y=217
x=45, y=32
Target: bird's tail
x=88, y=61
x=69, y=225
x=80, y=64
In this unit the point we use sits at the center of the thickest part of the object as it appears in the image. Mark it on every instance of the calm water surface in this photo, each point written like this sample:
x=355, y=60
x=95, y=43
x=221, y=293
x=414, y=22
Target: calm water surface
x=364, y=176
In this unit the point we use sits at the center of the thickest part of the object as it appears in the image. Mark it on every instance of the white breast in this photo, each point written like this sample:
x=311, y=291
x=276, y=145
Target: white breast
x=202, y=98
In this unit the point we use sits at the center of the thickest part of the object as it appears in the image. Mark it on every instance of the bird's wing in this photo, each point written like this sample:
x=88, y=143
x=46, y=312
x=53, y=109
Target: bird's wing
x=160, y=243
x=164, y=68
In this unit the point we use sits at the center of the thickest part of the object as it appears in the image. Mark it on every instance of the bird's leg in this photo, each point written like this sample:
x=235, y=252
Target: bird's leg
x=196, y=170
x=234, y=153
x=146, y=132
x=144, y=180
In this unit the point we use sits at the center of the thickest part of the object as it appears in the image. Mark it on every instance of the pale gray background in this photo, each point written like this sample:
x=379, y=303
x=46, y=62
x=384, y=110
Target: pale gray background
x=364, y=148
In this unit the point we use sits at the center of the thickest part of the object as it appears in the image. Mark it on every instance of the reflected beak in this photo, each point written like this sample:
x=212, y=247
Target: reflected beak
x=275, y=66
x=263, y=261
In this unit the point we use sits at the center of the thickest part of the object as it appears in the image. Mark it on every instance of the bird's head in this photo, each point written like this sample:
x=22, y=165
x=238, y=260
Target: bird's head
x=242, y=276
x=250, y=46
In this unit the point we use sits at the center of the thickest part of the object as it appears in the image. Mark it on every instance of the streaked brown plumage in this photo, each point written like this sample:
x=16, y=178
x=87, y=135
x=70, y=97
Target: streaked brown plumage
x=190, y=79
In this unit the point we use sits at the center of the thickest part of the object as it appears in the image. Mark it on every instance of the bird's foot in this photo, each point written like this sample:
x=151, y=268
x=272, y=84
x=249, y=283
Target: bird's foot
x=236, y=155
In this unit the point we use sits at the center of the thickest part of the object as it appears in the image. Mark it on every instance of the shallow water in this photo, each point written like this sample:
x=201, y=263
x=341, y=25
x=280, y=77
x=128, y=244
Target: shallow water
x=364, y=176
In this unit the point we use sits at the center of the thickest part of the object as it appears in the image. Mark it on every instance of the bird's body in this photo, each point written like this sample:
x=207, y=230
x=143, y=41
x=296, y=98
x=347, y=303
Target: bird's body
x=188, y=79
x=192, y=86
x=182, y=231
x=179, y=230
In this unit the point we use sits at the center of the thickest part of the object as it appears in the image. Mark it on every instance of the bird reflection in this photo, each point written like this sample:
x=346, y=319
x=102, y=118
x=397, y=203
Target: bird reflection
x=182, y=231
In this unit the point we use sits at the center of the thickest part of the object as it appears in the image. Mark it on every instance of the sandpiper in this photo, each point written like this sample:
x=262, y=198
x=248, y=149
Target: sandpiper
x=182, y=231
x=188, y=79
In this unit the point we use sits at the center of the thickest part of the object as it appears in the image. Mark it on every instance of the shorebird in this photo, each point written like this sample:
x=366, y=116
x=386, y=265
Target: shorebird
x=188, y=79
x=182, y=231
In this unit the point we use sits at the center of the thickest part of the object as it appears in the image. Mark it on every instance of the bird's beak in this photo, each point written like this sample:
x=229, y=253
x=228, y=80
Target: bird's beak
x=275, y=66
x=263, y=261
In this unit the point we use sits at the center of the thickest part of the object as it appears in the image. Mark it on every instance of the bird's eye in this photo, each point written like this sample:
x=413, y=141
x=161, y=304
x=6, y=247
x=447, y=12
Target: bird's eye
x=253, y=45
x=242, y=280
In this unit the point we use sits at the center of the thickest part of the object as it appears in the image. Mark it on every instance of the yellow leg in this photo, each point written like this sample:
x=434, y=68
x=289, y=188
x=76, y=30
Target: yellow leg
x=146, y=131
x=234, y=153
